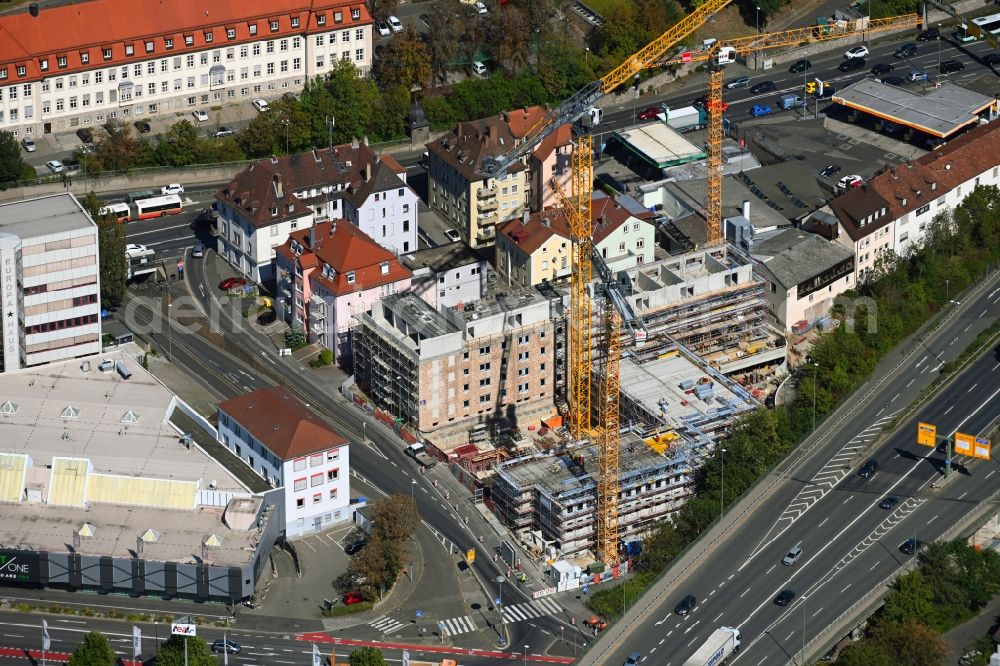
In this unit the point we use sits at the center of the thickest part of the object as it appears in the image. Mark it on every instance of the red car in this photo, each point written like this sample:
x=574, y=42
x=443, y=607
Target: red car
x=650, y=113
x=353, y=598
x=232, y=283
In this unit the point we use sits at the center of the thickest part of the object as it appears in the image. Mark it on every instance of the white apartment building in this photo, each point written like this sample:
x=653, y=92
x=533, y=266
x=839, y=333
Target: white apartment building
x=448, y=276
x=893, y=210
x=50, y=284
x=284, y=442
x=88, y=63
x=273, y=197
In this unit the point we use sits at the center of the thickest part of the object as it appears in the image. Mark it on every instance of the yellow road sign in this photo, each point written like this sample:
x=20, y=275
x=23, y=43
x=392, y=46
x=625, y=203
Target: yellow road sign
x=470, y=555
x=926, y=434
x=964, y=444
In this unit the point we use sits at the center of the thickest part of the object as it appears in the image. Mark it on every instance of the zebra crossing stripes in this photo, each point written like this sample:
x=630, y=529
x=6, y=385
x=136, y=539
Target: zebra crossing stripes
x=386, y=624
x=530, y=609
x=456, y=625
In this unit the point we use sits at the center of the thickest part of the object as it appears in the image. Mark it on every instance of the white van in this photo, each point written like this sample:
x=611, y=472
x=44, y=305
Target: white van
x=479, y=68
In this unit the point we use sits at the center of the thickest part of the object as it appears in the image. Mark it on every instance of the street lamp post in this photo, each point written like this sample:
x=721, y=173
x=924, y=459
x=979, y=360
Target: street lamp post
x=525, y=655
x=722, y=499
x=413, y=482
x=802, y=660
x=815, y=381
x=500, y=580
x=635, y=96
x=364, y=432
x=587, y=50
x=938, y=77
x=286, y=122
x=758, y=20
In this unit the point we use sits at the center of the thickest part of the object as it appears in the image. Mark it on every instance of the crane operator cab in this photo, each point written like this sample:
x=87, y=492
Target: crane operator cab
x=725, y=55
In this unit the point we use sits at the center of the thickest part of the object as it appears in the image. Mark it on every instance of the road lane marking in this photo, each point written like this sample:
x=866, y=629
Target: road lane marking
x=990, y=474
x=963, y=495
x=745, y=593
x=817, y=612
x=966, y=329
x=849, y=498
x=771, y=569
x=845, y=588
x=950, y=407
x=880, y=411
x=972, y=388
x=717, y=618
x=894, y=398
x=910, y=382
x=982, y=313
x=692, y=627
x=692, y=641
x=932, y=520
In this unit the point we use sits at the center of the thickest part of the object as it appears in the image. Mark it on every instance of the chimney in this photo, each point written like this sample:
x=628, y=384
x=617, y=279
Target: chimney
x=277, y=185
x=368, y=172
x=312, y=236
x=746, y=208
x=33, y=9
x=524, y=218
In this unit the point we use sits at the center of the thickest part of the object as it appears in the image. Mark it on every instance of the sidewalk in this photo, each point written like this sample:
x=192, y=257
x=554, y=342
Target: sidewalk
x=963, y=635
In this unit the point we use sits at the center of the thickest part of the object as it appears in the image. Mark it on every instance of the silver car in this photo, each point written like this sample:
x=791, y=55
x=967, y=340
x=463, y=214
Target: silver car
x=793, y=556
x=198, y=251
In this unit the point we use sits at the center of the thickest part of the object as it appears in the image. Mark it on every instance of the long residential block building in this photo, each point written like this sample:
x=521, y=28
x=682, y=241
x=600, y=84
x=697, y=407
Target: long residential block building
x=50, y=284
x=88, y=63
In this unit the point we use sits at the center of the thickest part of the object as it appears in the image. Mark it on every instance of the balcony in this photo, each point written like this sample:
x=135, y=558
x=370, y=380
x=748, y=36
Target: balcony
x=317, y=308
x=487, y=203
x=486, y=234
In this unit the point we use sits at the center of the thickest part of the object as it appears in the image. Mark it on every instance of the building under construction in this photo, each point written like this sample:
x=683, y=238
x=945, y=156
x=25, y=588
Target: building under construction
x=710, y=303
x=671, y=408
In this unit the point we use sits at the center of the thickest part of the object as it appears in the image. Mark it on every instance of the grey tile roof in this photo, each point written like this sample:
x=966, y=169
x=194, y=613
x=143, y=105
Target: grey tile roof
x=792, y=256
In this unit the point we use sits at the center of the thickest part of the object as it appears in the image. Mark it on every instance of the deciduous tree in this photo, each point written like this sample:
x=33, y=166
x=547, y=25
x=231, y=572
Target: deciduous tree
x=395, y=517
x=111, y=252
x=198, y=653
x=94, y=650
x=12, y=167
x=367, y=656
x=446, y=23
x=383, y=9
x=406, y=62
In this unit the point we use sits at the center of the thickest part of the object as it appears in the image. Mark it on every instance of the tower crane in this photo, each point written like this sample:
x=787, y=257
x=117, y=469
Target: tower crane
x=577, y=208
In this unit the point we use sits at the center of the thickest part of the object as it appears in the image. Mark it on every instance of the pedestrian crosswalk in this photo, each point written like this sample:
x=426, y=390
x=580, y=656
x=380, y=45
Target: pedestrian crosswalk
x=456, y=625
x=529, y=610
x=386, y=624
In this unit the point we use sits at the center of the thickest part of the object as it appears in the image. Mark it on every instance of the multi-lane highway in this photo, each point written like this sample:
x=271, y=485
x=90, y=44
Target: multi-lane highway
x=850, y=545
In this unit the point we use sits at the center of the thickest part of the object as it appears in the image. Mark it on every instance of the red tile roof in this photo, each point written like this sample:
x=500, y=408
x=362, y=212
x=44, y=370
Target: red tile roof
x=520, y=121
x=346, y=249
x=916, y=183
x=281, y=422
x=352, y=168
x=470, y=142
x=88, y=28
x=606, y=216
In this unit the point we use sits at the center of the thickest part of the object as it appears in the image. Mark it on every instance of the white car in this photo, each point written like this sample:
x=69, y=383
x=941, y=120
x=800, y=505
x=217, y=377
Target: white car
x=29, y=145
x=135, y=247
x=55, y=166
x=200, y=116
x=857, y=52
x=452, y=235
x=260, y=105
x=480, y=8
x=395, y=24
x=172, y=188
x=849, y=182
x=479, y=68
x=383, y=29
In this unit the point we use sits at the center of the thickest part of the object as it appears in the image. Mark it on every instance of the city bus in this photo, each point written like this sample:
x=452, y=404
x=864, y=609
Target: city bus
x=121, y=211
x=988, y=24
x=156, y=207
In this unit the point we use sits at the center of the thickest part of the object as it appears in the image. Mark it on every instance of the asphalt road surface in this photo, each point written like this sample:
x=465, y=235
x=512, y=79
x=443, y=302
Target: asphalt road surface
x=849, y=543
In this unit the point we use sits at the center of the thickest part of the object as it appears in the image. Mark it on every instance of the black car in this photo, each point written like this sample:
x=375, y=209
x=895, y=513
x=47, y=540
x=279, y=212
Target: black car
x=142, y=126
x=909, y=546
x=894, y=81
x=220, y=645
x=830, y=171
x=888, y=503
x=950, y=67
x=929, y=35
x=71, y=164
x=354, y=547
x=869, y=469
x=991, y=59
x=701, y=102
x=686, y=605
x=800, y=66
x=763, y=87
x=881, y=68
x=85, y=134
x=784, y=597
x=851, y=65
x=906, y=51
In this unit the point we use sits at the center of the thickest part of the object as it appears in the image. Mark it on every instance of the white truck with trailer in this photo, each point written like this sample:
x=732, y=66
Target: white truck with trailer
x=419, y=453
x=720, y=646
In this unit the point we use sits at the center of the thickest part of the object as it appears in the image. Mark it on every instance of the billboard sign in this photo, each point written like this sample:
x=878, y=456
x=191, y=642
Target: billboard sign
x=19, y=567
x=183, y=629
x=981, y=448
x=926, y=434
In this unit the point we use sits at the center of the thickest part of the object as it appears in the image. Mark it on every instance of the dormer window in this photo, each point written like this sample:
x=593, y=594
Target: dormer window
x=384, y=266
x=274, y=211
x=188, y=40
x=84, y=58
x=22, y=70
x=3, y=72
x=62, y=61
x=350, y=277
x=253, y=28
x=209, y=37
x=231, y=33
x=107, y=54
x=274, y=26
x=321, y=19
x=129, y=50
x=149, y=47
x=338, y=17
x=44, y=64
x=355, y=14
x=295, y=21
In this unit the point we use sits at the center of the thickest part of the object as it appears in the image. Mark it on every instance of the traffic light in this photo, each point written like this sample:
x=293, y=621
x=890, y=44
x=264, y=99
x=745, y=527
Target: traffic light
x=811, y=88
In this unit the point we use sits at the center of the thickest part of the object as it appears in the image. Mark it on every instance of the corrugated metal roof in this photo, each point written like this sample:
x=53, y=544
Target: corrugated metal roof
x=137, y=491
x=68, y=486
x=12, y=471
